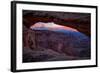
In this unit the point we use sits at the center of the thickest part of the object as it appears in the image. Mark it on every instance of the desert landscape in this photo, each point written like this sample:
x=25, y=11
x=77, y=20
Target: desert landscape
x=56, y=36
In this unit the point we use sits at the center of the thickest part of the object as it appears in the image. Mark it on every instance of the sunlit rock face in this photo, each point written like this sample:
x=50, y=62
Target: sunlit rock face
x=51, y=42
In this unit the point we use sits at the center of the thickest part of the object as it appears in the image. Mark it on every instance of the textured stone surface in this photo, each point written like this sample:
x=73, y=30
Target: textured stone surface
x=50, y=46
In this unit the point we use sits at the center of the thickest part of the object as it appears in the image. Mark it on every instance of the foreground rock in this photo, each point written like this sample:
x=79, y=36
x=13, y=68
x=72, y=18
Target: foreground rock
x=51, y=46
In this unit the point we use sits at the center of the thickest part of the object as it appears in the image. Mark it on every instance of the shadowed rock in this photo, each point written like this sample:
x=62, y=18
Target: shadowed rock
x=48, y=45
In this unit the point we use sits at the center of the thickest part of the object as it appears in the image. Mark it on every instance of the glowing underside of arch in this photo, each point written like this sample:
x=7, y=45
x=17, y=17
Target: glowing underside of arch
x=51, y=26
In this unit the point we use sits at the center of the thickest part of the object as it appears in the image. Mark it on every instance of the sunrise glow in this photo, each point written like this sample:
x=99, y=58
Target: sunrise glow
x=51, y=26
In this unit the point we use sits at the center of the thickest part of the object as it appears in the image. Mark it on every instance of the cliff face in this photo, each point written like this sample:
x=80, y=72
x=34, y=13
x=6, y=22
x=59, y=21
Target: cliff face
x=44, y=45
